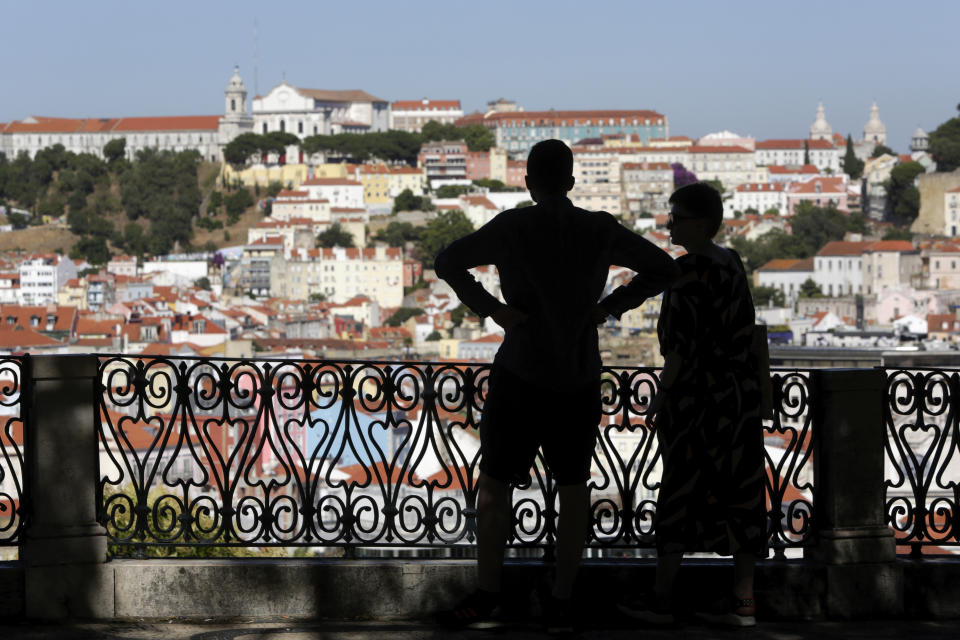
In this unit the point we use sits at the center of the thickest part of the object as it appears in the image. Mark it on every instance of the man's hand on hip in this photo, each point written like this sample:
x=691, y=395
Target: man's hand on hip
x=508, y=317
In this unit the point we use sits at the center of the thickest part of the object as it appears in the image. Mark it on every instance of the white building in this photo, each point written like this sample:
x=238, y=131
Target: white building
x=42, y=276
x=823, y=154
x=338, y=192
x=411, y=115
x=760, y=196
x=951, y=210
x=343, y=273
x=730, y=165
x=310, y=112
x=837, y=268
x=205, y=134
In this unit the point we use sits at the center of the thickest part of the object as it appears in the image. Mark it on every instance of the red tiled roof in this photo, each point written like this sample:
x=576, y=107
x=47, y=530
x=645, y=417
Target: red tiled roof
x=344, y=95
x=807, y=168
x=786, y=264
x=66, y=317
x=827, y=185
x=22, y=336
x=169, y=123
x=320, y=182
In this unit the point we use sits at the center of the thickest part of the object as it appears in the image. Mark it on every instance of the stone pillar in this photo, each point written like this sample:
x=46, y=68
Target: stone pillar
x=64, y=551
x=855, y=546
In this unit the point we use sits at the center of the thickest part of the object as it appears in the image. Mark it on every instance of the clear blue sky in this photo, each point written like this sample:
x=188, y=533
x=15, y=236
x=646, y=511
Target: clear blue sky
x=756, y=68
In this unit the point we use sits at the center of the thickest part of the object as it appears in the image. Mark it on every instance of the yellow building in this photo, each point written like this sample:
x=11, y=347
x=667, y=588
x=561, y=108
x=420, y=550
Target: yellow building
x=289, y=175
x=376, y=183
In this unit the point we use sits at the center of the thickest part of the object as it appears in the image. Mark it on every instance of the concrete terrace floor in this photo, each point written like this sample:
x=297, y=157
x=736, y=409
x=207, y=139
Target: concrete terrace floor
x=214, y=630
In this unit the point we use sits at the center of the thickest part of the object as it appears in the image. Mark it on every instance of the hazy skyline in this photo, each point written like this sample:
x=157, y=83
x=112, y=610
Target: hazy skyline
x=755, y=68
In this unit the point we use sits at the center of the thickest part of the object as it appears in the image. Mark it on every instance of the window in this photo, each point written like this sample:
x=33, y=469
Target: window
x=264, y=127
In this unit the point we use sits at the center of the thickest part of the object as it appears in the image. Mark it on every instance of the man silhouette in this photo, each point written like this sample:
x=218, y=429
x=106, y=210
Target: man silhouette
x=553, y=260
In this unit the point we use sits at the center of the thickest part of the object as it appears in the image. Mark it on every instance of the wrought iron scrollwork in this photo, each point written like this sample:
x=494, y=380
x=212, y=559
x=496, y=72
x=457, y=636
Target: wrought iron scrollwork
x=226, y=452
x=922, y=486
x=14, y=405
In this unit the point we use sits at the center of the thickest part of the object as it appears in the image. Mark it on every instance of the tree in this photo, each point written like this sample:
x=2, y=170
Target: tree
x=763, y=296
x=401, y=315
x=406, y=201
x=478, y=137
x=91, y=248
x=397, y=234
x=214, y=203
x=771, y=245
x=882, y=149
x=903, y=197
x=810, y=289
x=434, y=336
x=452, y=190
x=440, y=232
x=274, y=188
x=334, y=236
x=236, y=203
x=852, y=165
x=115, y=150
x=239, y=150
x=945, y=144
x=202, y=283
x=457, y=315
x=681, y=176
x=806, y=152
x=18, y=220
x=898, y=233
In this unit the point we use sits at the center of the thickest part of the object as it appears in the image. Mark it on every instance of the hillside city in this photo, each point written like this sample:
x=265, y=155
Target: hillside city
x=306, y=226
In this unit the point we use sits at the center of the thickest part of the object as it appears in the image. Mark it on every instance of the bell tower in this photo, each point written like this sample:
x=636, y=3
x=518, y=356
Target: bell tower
x=236, y=96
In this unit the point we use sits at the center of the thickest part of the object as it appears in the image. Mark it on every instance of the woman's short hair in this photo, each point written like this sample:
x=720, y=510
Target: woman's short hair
x=700, y=200
x=550, y=165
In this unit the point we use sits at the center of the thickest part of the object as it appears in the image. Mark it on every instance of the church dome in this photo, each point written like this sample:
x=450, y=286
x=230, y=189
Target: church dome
x=874, y=130
x=920, y=133
x=821, y=129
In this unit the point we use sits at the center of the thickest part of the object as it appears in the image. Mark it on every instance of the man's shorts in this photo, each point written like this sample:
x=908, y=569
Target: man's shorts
x=520, y=417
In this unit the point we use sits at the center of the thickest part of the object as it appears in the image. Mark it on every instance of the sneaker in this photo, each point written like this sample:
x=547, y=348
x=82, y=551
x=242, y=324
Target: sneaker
x=649, y=608
x=479, y=610
x=731, y=612
x=557, y=618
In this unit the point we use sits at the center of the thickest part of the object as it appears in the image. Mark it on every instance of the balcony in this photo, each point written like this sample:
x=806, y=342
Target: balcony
x=179, y=487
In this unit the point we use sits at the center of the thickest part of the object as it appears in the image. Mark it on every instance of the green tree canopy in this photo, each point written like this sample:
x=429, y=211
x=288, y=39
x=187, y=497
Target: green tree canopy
x=115, y=150
x=452, y=190
x=397, y=234
x=334, y=236
x=763, y=296
x=881, y=149
x=239, y=150
x=401, y=315
x=903, y=197
x=440, y=232
x=406, y=201
x=897, y=233
x=945, y=144
x=852, y=165
x=810, y=289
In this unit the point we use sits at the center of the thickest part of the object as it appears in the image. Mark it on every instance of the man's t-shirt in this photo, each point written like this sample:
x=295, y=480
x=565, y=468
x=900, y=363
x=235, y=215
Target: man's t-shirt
x=553, y=260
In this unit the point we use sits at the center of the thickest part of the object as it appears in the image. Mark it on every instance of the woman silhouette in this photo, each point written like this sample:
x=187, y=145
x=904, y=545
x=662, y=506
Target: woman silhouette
x=707, y=416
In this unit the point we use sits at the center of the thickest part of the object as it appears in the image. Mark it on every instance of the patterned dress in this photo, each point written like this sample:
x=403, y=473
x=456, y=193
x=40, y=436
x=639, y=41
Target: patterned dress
x=712, y=490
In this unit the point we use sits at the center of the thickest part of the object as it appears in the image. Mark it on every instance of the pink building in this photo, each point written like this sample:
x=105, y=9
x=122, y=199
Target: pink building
x=820, y=191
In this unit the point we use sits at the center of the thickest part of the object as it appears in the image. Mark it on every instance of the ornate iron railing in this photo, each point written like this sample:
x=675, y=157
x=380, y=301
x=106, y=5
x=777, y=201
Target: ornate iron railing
x=352, y=454
x=922, y=486
x=14, y=405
